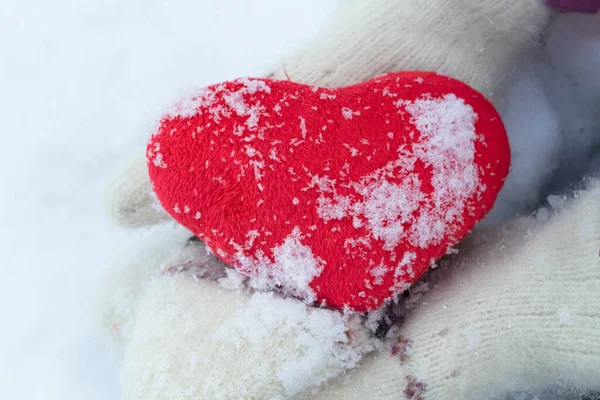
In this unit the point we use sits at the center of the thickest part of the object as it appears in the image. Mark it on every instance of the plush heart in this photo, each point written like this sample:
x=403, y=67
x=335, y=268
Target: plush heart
x=339, y=196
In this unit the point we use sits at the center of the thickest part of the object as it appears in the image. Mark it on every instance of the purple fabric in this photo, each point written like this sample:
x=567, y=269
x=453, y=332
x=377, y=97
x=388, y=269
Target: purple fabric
x=583, y=6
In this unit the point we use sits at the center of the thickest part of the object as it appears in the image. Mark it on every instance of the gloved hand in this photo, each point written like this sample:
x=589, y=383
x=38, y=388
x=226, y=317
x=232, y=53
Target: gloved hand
x=518, y=310
x=493, y=321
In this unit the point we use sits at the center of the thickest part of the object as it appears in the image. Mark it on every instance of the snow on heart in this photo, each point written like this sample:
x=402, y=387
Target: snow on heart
x=447, y=126
x=338, y=196
x=294, y=265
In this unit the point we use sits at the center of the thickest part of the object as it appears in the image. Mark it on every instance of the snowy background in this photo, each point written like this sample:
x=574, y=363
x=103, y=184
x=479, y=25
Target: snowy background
x=81, y=85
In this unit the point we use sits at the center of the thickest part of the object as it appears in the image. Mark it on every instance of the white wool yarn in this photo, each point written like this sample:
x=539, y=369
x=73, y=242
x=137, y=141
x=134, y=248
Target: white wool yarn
x=518, y=310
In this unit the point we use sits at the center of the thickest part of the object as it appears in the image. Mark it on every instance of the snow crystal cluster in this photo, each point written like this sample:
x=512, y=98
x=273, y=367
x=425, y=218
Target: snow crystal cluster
x=320, y=337
x=294, y=267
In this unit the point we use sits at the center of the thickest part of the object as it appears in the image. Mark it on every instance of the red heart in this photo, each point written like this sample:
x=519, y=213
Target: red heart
x=341, y=196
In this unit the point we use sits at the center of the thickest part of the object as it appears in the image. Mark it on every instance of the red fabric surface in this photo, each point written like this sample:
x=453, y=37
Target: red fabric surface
x=341, y=196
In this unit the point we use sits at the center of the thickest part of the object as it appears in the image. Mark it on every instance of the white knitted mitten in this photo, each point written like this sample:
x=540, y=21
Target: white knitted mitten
x=187, y=337
x=476, y=42
x=187, y=326
x=207, y=337
x=128, y=197
x=517, y=310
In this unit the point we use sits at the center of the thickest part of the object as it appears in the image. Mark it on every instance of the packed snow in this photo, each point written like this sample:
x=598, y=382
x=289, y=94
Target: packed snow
x=83, y=84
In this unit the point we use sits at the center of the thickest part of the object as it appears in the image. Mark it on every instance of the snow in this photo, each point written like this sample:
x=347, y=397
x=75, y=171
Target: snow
x=83, y=84
x=449, y=127
x=221, y=101
x=233, y=280
x=327, y=96
x=318, y=335
x=303, y=129
x=564, y=315
x=447, y=145
x=550, y=108
x=294, y=266
x=236, y=101
x=346, y=112
x=297, y=266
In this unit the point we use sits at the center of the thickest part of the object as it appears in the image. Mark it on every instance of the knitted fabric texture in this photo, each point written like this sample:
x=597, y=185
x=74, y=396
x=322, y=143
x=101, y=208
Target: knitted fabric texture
x=476, y=42
x=515, y=310
x=195, y=339
x=249, y=167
